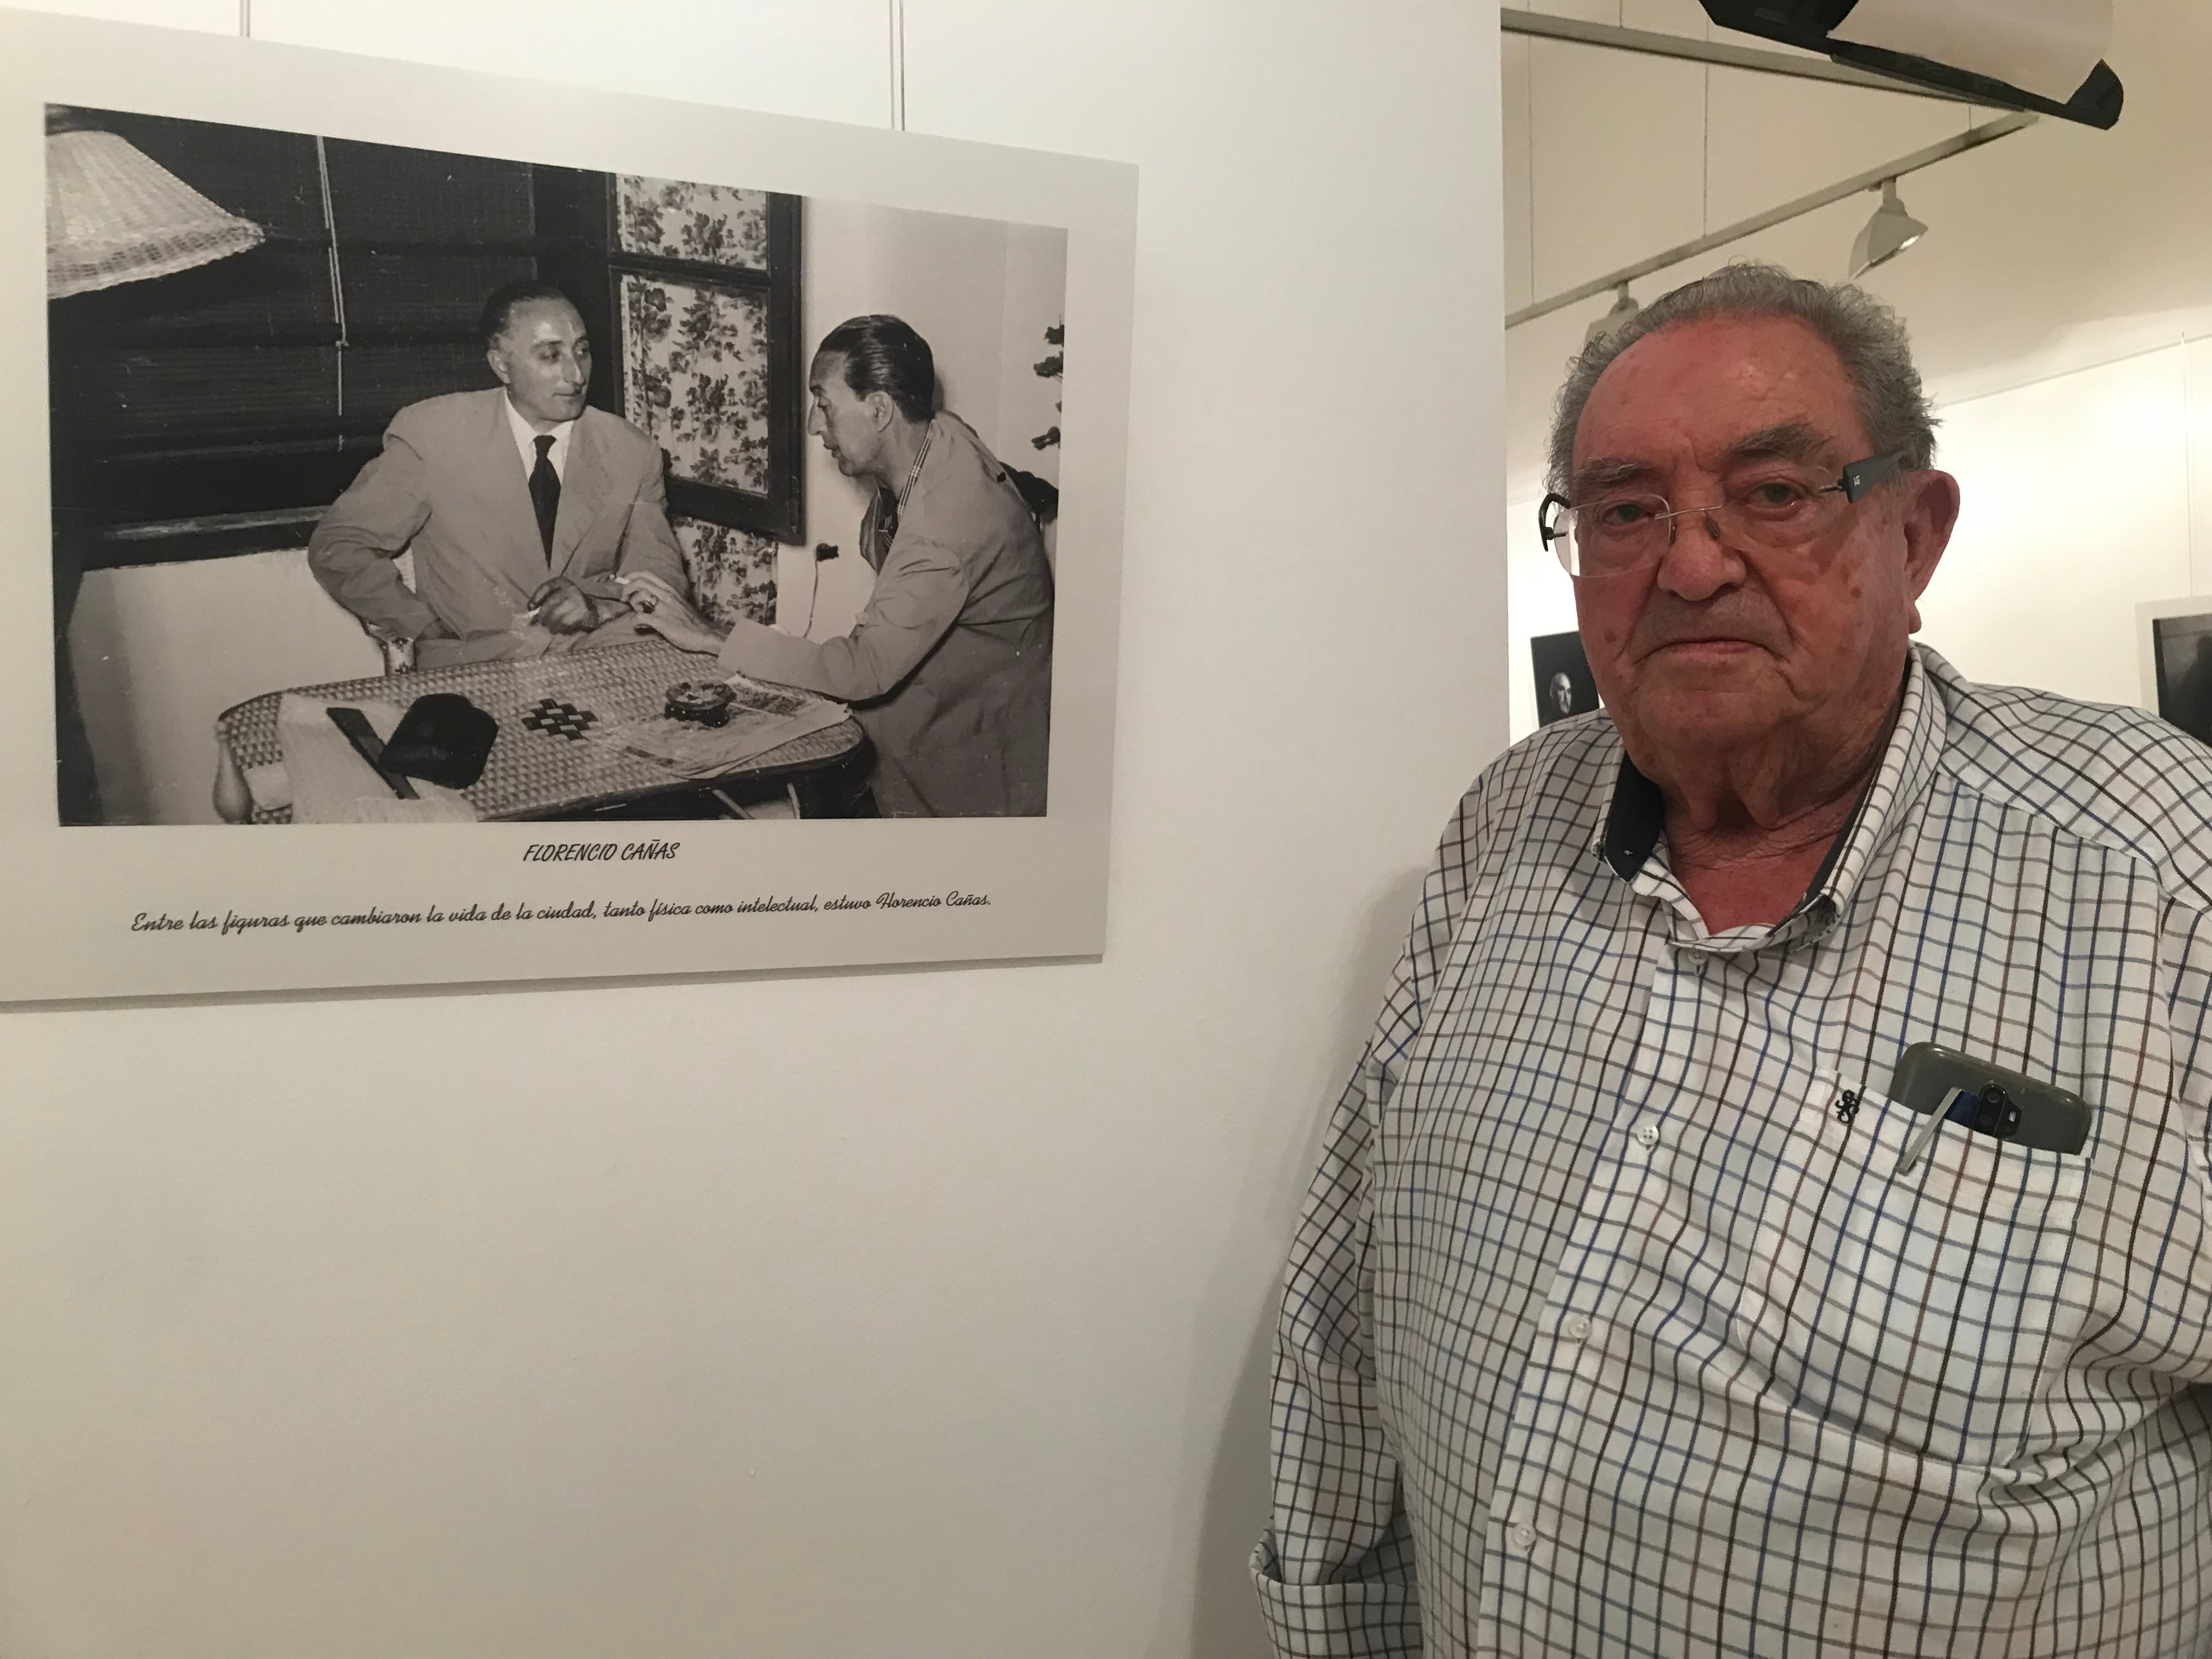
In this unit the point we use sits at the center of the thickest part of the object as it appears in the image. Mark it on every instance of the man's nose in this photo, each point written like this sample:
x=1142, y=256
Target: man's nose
x=1699, y=563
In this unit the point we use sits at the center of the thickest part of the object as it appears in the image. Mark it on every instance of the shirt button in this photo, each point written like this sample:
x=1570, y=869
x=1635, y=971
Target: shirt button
x=1524, y=1537
x=1574, y=1328
x=1647, y=1135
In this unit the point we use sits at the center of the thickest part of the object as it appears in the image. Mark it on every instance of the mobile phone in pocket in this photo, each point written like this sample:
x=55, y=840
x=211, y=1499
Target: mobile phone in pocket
x=1989, y=1099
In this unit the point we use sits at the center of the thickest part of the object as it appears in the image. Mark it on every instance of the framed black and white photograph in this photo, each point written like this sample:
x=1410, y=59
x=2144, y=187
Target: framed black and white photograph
x=1564, y=686
x=2176, y=641
x=699, y=526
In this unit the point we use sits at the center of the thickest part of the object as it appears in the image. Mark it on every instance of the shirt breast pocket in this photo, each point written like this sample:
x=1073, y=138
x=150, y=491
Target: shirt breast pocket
x=1922, y=1307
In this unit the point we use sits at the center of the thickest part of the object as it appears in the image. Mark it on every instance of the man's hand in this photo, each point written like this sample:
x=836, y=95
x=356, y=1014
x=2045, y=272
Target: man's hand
x=668, y=613
x=644, y=590
x=563, y=607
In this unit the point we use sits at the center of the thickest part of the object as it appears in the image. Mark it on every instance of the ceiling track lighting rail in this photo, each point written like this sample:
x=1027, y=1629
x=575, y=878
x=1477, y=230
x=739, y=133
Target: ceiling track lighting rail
x=1873, y=179
x=1719, y=53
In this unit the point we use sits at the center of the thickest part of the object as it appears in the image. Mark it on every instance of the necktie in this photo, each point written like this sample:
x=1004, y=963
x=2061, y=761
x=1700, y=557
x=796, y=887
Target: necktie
x=889, y=506
x=887, y=518
x=545, y=492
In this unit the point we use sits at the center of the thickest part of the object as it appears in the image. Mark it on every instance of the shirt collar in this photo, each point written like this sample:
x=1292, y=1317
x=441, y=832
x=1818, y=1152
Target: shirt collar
x=1635, y=818
x=1633, y=822
x=525, y=437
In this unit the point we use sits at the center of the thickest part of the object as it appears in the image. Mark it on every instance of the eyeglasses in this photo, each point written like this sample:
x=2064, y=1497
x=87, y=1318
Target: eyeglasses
x=1776, y=509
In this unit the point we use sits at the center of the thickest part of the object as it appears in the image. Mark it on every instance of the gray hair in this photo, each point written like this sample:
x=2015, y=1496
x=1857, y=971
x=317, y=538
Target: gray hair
x=1868, y=336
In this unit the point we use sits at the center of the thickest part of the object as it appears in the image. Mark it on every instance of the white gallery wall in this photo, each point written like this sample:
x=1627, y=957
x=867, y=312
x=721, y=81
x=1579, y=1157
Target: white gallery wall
x=2060, y=309
x=902, y=1313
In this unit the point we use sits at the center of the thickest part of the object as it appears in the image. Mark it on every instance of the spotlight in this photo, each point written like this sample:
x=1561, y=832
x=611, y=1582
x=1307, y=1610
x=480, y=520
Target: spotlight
x=1605, y=327
x=1888, y=234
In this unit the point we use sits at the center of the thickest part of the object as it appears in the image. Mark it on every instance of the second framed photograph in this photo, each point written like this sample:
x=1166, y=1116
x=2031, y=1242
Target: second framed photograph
x=2175, y=637
x=1564, y=685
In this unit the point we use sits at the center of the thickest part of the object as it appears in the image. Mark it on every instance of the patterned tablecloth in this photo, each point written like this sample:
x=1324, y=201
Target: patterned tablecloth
x=546, y=758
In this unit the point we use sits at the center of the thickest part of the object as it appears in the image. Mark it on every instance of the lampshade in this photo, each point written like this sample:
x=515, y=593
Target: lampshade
x=1888, y=234
x=115, y=215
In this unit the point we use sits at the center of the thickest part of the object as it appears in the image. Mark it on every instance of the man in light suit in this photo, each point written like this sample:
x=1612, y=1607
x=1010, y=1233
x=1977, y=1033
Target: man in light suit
x=948, y=667
x=521, y=504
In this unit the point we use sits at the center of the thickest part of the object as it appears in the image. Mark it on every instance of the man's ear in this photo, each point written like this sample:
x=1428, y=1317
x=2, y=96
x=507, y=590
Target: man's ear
x=501, y=372
x=1928, y=514
x=882, y=410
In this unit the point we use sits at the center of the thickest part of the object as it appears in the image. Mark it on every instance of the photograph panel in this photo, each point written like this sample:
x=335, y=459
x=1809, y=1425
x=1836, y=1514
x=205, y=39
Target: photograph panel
x=319, y=440
x=587, y=490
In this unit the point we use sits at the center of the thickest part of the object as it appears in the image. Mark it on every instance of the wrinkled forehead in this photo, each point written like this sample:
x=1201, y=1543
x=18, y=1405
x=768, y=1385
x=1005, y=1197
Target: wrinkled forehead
x=1699, y=396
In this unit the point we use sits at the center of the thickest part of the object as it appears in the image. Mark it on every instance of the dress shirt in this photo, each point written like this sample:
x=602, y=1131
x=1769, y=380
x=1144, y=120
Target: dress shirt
x=526, y=441
x=1610, y=1310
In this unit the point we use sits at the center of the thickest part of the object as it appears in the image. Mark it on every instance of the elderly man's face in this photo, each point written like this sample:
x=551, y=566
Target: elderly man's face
x=1718, y=646
x=544, y=360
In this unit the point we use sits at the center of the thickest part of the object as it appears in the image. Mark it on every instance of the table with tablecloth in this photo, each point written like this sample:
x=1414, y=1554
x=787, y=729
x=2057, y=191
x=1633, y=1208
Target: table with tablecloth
x=552, y=756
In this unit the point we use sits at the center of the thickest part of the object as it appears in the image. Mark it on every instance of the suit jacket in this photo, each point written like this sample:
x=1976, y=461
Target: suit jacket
x=950, y=666
x=450, y=484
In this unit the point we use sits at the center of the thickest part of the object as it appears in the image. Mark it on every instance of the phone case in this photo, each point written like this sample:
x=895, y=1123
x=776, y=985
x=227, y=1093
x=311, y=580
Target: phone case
x=1931, y=1077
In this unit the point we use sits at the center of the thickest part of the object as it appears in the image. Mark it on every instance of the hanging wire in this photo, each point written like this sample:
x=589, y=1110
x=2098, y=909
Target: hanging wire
x=337, y=277
x=2190, y=392
x=1528, y=121
x=1706, y=161
x=897, y=20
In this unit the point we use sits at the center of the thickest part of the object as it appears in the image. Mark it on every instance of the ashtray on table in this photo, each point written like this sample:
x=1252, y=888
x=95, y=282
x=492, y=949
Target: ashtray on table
x=702, y=702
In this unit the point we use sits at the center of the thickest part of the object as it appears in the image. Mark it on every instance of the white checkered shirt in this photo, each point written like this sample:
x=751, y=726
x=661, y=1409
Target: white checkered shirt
x=1605, y=1334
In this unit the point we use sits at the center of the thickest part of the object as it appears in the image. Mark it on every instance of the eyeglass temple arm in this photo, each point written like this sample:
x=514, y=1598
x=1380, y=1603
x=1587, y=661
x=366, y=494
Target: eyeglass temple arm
x=1860, y=476
x=1544, y=515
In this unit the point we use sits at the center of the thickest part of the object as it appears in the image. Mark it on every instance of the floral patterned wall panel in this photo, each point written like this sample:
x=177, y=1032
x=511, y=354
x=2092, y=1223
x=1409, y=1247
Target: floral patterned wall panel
x=705, y=301
x=733, y=573
x=675, y=219
x=695, y=375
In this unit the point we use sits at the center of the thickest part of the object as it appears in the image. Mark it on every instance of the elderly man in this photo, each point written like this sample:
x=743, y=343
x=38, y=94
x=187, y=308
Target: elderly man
x=1636, y=1310
x=949, y=666
x=522, y=506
